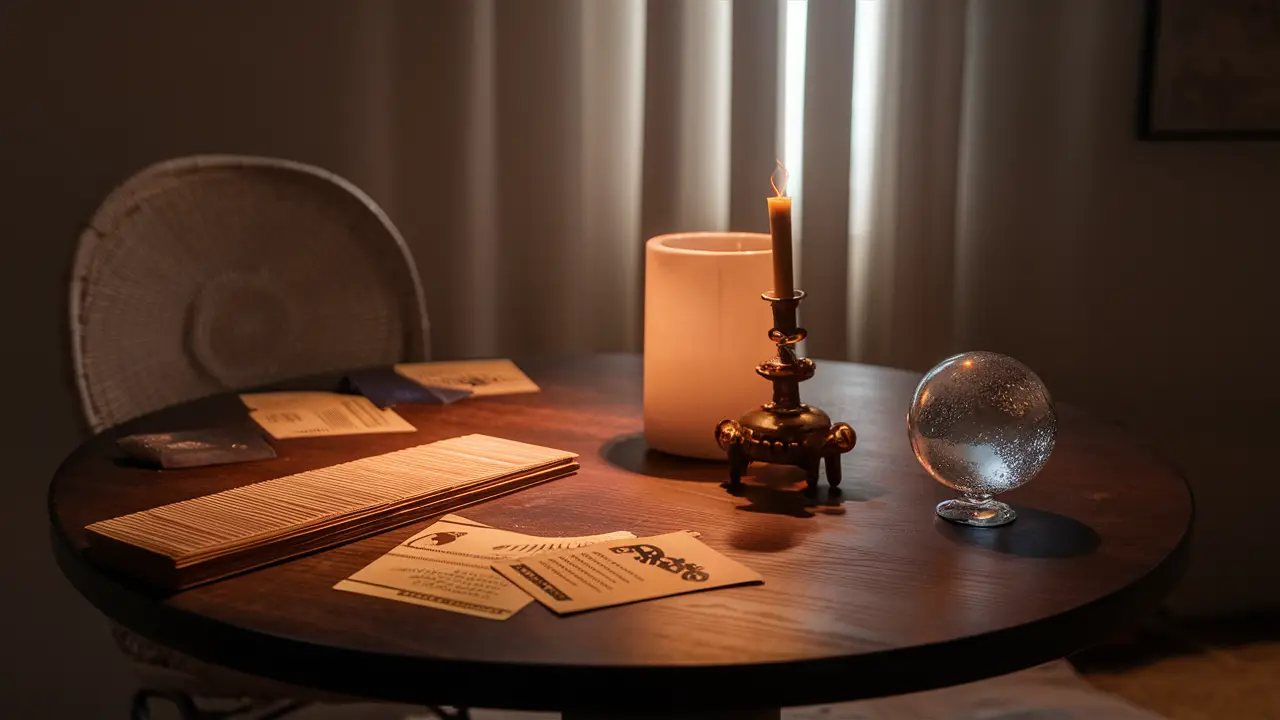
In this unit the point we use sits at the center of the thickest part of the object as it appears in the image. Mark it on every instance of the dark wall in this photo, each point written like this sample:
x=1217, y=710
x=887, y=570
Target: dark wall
x=90, y=93
x=1137, y=278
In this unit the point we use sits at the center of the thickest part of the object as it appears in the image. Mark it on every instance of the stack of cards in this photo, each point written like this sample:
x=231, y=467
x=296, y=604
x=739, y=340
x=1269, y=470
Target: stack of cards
x=209, y=537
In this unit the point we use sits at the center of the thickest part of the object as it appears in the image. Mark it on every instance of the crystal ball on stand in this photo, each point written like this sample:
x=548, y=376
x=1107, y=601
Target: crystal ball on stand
x=981, y=423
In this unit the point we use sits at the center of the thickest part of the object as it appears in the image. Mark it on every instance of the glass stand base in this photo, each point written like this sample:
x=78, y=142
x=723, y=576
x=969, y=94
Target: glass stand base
x=979, y=512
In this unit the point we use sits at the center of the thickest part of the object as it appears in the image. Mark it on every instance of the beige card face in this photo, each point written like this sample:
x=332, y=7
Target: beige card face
x=316, y=414
x=625, y=571
x=448, y=567
x=481, y=377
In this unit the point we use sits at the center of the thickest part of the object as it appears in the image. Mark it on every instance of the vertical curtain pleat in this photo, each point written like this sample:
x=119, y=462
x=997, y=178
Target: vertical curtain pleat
x=755, y=125
x=605, y=264
x=824, y=200
x=437, y=186
x=533, y=147
x=539, y=185
x=1055, y=45
x=705, y=123
x=519, y=172
x=479, y=178
x=373, y=109
x=664, y=57
x=903, y=270
x=687, y=120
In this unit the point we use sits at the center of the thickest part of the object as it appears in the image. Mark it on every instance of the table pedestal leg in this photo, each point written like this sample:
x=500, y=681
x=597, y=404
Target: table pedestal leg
x=755, y=714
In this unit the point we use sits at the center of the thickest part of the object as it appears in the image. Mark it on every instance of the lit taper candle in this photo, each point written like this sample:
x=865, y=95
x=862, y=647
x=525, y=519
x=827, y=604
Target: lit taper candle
x=780, y=231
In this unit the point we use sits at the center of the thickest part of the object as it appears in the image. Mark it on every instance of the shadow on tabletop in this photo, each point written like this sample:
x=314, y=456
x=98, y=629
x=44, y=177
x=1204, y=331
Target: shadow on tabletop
x=771, y=489
x=631, y=453
x=1035, y=534
x=781, y=490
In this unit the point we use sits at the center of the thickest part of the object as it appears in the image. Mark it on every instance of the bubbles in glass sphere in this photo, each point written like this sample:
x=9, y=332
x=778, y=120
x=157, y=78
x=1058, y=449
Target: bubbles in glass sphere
x=982, y=423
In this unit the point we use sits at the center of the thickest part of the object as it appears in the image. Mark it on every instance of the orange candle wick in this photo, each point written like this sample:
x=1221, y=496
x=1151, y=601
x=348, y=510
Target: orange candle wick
x=785, y=177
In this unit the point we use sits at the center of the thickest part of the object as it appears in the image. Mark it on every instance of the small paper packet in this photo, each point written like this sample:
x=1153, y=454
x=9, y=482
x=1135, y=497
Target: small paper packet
x=197, y=448
x=385, y=388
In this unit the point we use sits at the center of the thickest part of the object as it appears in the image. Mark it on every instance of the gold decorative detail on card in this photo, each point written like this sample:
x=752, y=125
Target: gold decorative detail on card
x=624, y=571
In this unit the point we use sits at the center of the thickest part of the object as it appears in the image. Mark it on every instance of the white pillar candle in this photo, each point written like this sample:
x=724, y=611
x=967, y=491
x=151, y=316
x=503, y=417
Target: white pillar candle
x=705, y=330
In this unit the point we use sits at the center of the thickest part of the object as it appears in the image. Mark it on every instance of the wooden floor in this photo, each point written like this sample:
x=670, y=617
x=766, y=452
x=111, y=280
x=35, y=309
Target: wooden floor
x=1223, y=668
x=1241, y=682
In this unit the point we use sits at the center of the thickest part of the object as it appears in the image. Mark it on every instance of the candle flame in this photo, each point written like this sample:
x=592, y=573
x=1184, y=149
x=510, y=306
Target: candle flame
x=785, y=176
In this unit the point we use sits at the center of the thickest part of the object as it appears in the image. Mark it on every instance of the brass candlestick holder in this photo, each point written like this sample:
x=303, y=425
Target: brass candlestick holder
x=786, y=431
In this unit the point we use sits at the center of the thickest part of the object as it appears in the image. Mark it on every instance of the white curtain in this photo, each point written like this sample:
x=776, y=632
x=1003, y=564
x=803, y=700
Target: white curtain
x=1004, y=201
x=966, y=174
x=553, y=138
x=904, y=242
x=529, y=149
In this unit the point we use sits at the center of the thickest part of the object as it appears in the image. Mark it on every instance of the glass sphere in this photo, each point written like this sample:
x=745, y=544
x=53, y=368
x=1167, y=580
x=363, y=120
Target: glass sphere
x=981, y=423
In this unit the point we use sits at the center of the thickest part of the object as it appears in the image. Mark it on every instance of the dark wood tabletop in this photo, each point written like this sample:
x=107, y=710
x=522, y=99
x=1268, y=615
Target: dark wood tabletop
x=867, y=592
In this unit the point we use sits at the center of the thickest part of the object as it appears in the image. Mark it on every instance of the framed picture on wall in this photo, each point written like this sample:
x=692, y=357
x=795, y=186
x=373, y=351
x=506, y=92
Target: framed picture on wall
x=1212, y=70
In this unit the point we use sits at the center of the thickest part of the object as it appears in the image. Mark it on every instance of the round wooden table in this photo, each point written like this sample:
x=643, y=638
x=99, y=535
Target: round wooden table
x=867, y=593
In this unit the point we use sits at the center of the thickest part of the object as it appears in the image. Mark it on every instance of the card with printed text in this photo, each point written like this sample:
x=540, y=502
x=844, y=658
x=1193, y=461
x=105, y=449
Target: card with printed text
x=481, y=378
x=315, y=414
x=624, y=571
x=446, y=567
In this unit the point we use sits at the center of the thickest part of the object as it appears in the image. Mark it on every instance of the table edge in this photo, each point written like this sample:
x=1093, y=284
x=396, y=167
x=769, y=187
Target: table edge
x=691, y=687
x=527, y=686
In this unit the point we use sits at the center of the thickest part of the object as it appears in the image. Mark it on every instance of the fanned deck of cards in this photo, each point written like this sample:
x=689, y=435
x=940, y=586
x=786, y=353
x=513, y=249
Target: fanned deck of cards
x=210, y=537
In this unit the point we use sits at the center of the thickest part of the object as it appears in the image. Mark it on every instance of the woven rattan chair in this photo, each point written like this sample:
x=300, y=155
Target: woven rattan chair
x=209, y=273
x=212, y=273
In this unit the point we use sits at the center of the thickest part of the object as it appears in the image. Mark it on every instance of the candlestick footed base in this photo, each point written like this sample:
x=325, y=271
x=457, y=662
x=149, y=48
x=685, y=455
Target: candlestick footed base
x=806, y=439
x=786, y=431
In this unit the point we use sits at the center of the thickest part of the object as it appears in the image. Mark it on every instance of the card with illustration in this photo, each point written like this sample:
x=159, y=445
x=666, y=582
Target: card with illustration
x=624, y=571
x=481, y=377
x=447, y=566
